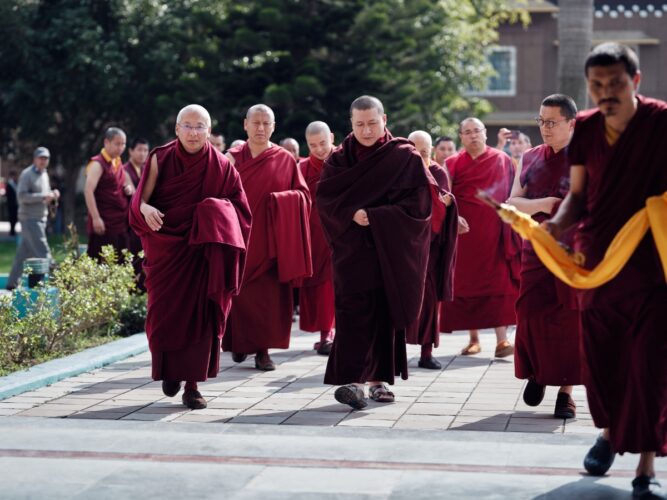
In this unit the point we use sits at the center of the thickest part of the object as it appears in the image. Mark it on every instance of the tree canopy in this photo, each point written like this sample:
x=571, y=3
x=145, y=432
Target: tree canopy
x=70, y=68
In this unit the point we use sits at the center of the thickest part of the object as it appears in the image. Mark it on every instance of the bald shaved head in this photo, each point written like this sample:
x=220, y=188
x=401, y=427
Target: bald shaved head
x=423, y=144
x=260, y=108
x=195, y=109
x=259, y=124
x=472, y=120
x=473, y=136
x=290, y=144
x=317, y=128
x=319, y=139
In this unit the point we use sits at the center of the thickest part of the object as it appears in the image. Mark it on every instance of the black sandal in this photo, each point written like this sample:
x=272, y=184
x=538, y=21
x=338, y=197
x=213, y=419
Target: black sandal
x=352, y=395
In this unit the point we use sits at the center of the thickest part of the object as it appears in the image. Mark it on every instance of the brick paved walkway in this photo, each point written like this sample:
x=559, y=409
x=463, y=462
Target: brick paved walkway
x=470, y=393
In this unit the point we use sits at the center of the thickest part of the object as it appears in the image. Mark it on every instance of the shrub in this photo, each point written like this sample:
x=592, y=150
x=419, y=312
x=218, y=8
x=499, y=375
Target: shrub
x=91, y=299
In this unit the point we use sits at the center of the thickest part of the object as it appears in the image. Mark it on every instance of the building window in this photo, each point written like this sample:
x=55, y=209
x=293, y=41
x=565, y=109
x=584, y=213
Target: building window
x=503, y=82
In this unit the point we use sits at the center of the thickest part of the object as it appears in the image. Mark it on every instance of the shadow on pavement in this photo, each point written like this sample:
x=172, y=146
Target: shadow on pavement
x=585, y=488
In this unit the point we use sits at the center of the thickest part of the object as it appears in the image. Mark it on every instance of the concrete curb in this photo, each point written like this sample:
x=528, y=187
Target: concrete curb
x=70, y=366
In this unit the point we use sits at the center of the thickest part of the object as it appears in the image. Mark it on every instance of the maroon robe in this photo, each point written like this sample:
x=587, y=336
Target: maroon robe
x=316, y=302
x=547, y=332
x=380, y=269
x=134, y=240
x=488, y=257
x=442, y=255
x=195, y=263
x=624, y=322
x=113, y=205
x=278, y=251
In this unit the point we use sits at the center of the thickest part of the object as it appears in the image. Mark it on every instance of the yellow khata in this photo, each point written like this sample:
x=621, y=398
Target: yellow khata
x=567, y=266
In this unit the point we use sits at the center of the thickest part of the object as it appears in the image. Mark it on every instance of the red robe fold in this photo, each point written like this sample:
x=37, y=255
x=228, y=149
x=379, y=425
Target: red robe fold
x=379, y=270
x=195, y=263
x=112, y=205
x=442, y=257
x=316, y=301
x=261, y=315
x=547, y=333
x=488, y=257
x=624, y=322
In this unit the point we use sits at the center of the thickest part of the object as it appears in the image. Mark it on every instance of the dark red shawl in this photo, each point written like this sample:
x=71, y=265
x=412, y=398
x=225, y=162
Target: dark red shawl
x=311, y=169
x=390, y=183
x=129, y=168
x=195, y=263
x=280, y=204
x=544, y=173
x=619, y=179
x=112, y=202
x=442, y=258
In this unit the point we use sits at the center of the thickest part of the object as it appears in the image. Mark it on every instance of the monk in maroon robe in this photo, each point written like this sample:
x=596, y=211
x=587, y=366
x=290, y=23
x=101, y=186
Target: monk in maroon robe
x=317, y=292
x=488, y=257
x=440, y=275
x=279, y=249
x=618, y=161
x=107, y=191
x=375, y=205
x=192, y=216
x=134, y=167
x=547, y=333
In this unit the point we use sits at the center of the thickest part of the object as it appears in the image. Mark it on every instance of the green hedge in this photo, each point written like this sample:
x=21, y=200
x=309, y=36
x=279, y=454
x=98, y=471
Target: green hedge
x=96, y=302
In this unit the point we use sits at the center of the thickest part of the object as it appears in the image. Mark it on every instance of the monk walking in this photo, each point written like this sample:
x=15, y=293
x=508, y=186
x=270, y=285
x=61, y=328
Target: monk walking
x=440, y=275
x=107, y=191
x=547, y=332
x=279, y=249
x=134, y=167
x=618, y=160
x=375, y=205
x=488, y=257
x=193, y=219
x=317, y=292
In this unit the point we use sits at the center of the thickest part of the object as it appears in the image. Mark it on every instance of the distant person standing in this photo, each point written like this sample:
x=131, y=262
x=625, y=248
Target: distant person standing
x=107, y=191
x=34, y=196
x=443, y=148
x=218, y=141
x=12, y=201
x=134, y=167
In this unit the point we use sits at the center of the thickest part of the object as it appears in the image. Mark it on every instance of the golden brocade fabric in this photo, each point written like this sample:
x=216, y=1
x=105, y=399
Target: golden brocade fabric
x=567, y=266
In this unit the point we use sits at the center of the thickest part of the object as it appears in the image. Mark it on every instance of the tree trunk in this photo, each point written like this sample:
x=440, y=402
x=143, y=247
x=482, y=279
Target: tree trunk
x=575, y=37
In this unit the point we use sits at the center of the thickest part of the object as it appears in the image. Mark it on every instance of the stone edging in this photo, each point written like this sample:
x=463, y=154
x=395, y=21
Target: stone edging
x=58, y=369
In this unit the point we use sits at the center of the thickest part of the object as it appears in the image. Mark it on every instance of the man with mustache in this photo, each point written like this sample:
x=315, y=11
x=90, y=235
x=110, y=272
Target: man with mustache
x=486, y=275
x=618, y=160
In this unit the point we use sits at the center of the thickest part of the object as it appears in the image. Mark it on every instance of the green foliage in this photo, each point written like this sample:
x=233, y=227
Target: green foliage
x=70, y=68
x=91, y=301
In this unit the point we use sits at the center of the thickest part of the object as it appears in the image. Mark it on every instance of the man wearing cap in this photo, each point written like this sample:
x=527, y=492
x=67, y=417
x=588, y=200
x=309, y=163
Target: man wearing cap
x=34, y=195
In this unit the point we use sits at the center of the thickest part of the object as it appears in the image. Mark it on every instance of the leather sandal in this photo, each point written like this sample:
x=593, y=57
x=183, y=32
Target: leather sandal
x=472, y=349
x=380, y=393
x=565, y=406
x=504, y=349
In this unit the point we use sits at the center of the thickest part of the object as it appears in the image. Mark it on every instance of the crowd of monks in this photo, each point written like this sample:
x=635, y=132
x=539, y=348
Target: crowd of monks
x=388, y=244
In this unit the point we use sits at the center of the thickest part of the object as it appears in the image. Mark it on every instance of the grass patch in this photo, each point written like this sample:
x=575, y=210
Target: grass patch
x=56, y=243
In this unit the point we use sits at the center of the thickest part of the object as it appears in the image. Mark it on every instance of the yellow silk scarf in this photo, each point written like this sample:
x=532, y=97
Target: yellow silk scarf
x=568, y=268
